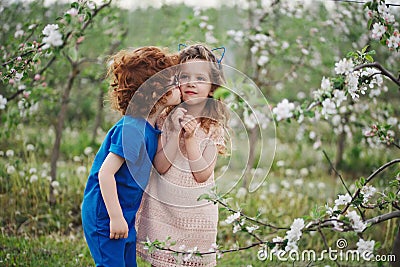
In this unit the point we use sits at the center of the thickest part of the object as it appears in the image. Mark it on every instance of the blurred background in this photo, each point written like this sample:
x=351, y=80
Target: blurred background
x=57, y=114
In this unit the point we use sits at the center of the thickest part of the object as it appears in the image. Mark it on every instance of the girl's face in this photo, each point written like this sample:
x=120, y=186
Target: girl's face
x=195, y=81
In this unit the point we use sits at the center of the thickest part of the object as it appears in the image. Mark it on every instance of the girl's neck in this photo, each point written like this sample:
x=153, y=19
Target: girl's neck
x=195, y=110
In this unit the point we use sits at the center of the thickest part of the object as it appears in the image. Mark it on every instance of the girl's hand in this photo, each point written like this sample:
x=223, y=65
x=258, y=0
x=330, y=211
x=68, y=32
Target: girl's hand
x=118, y=228
x=176, y=118
x=189, y=125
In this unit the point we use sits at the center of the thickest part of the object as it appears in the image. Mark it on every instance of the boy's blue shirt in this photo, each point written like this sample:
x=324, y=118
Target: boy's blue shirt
x=135, y=140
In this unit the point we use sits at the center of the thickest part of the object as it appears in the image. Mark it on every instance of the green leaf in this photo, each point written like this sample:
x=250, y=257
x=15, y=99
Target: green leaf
x=369, y=58
x=364, y=49
x=221, y=93
x=73, y=53
x=75, y=5
x=204, y=196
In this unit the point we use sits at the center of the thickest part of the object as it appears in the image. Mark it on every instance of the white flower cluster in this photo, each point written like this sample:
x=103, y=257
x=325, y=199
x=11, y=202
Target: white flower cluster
x=3, y=102
x=367, y=191
x=378, y=29
x=393, y=41
x=237, y=36
x=365, y=248
x=294, y=234
x=344, y=66
x=342, y=200
x=232, y=218
x=52, y=36
x=283, y=110
x=253, y=117
x=356, y=221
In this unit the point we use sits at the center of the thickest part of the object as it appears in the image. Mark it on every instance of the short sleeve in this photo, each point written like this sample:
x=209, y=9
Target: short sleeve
x=126, y=142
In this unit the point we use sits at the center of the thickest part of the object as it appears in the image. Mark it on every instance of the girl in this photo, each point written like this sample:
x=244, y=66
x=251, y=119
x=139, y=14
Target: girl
x=192, y=137
x=122, y=165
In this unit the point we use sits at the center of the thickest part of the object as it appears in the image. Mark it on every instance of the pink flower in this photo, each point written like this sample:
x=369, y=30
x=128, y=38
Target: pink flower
x=37, y=77
x=80, y=39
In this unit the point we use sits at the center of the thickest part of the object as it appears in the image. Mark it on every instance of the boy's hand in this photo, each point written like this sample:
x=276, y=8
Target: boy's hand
x=118, y=228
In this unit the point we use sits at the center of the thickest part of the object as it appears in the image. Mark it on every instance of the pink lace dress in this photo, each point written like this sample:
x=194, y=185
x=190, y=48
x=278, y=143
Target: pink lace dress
x=170, y=209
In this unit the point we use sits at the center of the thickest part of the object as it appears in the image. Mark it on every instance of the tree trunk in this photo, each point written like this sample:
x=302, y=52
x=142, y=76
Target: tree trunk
x=59, y=127
x=99, y=116
x=250, y=163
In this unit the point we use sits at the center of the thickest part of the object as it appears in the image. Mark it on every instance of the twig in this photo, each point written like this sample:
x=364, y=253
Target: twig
x=384, y=217
x=247, y=217
x=337, y=173
x=378, y=66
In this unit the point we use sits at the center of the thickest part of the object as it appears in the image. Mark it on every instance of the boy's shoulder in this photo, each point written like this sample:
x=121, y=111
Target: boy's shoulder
x=129, y=123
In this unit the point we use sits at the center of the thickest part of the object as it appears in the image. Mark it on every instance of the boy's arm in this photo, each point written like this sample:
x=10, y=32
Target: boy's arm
x=166, y=152
x=108, y=188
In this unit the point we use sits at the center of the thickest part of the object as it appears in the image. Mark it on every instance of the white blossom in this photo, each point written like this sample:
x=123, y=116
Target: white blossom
x=10, y=169
x=55, y=184
x=91, y=5
x=250, y=229
x=10, y=153
x=328, y=107
x=394, y=40
x=343, y=200
x=3, y=102
x=18, y=33
x=326, y=84
x=339, y=96
x=377, y=31
x=88, y=150
x=352, y=85
x=232, y=218
x=294, y=234
x=283, y=110
x=368, y=191
x=344, y=66
x=357, y=224
x=81, y=170
x=52, y=36
x=73, y=12
x=33, y=178
x=365, y=248
x=262, y=60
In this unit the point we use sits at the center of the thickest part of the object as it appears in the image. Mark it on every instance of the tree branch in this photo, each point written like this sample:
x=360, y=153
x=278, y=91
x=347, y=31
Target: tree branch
x=378, y=66
x=384, y=217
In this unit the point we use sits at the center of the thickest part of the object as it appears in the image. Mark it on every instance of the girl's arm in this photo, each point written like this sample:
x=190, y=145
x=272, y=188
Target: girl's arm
x=168, y=146
x=108, y=188
x=201, y=164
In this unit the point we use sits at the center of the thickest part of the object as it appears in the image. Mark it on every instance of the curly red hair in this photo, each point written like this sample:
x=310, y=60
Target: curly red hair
x=129, y=71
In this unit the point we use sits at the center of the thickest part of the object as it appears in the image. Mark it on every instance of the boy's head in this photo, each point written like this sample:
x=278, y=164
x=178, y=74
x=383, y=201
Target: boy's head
x=129, y=71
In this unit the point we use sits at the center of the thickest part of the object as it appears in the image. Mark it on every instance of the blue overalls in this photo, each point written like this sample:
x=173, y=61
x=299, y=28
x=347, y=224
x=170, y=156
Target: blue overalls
x=135, y=140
